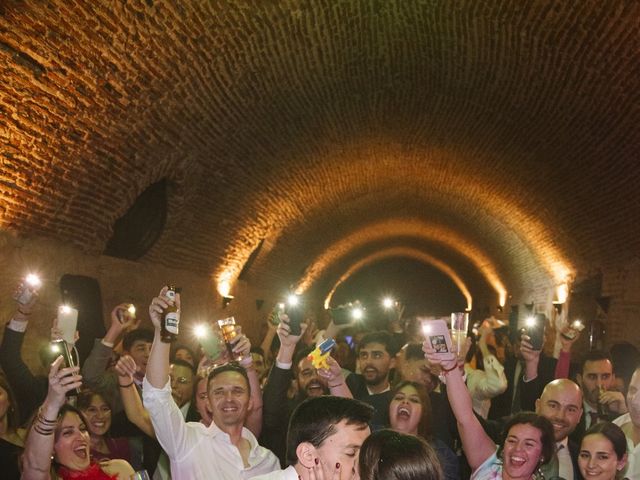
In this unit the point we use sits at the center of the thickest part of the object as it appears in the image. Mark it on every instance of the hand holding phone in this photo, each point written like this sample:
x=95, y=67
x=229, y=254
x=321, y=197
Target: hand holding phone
x=293, y=309
x=437, y=335
x=61, y=347
x=535, y=330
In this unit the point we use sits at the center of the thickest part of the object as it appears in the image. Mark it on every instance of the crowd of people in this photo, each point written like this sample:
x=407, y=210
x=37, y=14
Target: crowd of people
x=384, y=405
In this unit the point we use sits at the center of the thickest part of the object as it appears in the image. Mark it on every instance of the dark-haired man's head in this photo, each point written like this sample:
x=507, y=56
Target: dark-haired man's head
x=416, y=368
x=229, y=396
x=137, y=343
x=259, y=363
x=310, y=384
x=182, y=375
x=376, y=358
x=328, y=431
x=183, y=352
x=596, y=376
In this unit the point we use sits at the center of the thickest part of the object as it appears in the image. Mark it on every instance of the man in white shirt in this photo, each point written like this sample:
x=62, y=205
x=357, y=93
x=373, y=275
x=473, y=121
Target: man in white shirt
x=630, y=425
x=225, y=450
x=324, y=439
x=561, y=404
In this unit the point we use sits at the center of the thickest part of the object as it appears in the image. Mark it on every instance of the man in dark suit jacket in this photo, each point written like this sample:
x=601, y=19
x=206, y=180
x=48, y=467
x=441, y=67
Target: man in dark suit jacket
x=291, y=362
x=601, y=402
x=561, y=404
x=513, y=400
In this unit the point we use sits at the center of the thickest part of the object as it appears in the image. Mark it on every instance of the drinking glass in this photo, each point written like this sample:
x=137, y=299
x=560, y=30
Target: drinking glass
x=230, y=331
x=459, y=327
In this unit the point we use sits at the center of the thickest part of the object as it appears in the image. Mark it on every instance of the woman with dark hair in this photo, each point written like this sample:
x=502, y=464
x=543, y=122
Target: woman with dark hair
x=97, y=413
x=390, y=455
x=11, y=438
x=528, y=443
x=410, y=413
x=58, y=442
x=603, y=452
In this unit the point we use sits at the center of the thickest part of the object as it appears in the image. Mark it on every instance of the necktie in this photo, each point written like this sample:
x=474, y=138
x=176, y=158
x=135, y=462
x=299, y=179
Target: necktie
x=594, y=418
x=565, y=465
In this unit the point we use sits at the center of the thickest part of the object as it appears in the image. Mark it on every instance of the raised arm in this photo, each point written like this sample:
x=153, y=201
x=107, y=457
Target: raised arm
x=30, y=390
x=242, y=348
x=135, y=411
x=492, y=381
x=38, y=448
x=476, y=444
x=158, y=363
x=335, y=379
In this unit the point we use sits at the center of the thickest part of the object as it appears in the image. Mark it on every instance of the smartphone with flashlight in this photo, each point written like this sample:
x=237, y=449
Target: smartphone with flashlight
x=293, y=309
x=210, y=342
x=124, y=314
x=437, y=334
x=341, y=315
x=28, y=289
x=68, y=323
x=60, y=347
x=535, y=330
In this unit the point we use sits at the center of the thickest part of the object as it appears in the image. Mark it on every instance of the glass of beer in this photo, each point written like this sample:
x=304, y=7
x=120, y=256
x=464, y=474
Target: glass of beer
x=459, y=327
x=230, y=332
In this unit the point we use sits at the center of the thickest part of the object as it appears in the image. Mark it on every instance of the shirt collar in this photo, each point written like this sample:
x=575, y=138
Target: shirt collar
x=214, y=431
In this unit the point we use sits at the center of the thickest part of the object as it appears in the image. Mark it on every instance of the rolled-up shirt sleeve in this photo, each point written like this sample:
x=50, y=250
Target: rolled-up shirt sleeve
x=488, y=383
x=166, y=418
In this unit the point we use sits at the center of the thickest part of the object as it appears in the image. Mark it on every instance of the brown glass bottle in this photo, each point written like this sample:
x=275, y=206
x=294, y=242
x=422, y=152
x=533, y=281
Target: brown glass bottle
x=170, y=318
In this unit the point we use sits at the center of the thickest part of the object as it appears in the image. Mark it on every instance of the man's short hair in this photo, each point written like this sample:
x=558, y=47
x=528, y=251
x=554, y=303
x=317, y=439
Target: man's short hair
x=382, y=337
x=315, y=419
x=133, y=336
x=595, y=356
x=299, y=355
x=229, y=367
x=183, y=363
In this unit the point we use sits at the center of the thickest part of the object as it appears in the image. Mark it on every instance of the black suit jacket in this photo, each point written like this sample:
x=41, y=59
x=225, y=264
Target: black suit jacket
x=501, y=405
x=30, y=390
x=276, y=412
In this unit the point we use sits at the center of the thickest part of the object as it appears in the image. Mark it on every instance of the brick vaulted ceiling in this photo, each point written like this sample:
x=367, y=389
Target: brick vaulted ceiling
x=496, y=139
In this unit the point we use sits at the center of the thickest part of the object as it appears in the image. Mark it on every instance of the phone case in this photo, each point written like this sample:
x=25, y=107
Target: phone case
x=437, y=333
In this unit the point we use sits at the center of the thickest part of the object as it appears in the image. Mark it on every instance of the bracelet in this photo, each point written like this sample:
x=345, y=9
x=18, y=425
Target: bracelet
x=127, y=385
x=44, y=420
x=445, y=370
x=43, y=431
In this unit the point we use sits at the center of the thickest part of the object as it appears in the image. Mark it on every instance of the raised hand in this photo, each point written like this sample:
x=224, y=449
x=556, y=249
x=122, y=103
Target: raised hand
x=447, y=361
x=126, y=369
x=61, y=381
x=333, y=374
x=284, y=332
x=614, y=401
x=158, y=306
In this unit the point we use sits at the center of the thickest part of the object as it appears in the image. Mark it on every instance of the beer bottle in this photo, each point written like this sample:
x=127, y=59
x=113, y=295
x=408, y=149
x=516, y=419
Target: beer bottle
x=171, y=317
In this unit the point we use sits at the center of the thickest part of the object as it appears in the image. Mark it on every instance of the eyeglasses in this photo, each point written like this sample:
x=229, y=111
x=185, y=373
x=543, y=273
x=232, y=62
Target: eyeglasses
x=181, y=380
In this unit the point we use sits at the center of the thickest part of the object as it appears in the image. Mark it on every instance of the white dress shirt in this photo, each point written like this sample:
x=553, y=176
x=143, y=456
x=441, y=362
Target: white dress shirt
x=485, y=384
x=565, y=464
x=199, y=452
x=288, y=473
x=633, y=451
